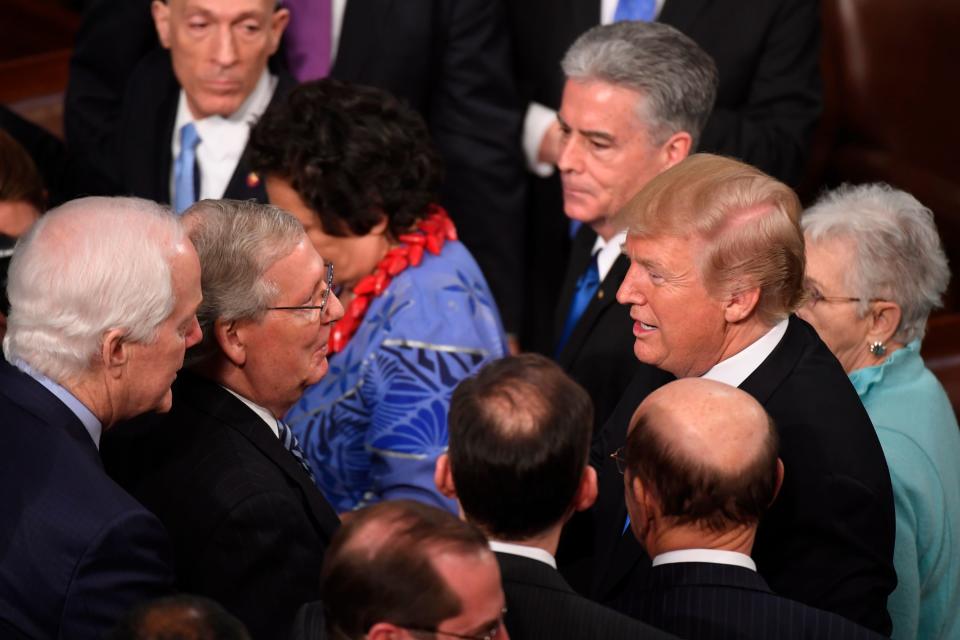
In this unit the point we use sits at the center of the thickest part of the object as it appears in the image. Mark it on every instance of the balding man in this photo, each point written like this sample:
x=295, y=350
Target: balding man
x=103, y=299
x=716, y=271
x=402, y=570
x=700, y=469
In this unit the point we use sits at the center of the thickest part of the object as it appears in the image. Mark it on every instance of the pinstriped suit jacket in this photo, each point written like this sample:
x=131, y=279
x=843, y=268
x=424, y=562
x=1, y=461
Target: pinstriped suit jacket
x=249, y=528
x=716, y=602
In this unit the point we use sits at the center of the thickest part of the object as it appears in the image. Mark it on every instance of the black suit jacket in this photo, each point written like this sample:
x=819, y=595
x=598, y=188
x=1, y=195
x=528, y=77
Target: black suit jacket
x=700, y=600
x=249, y=528
x=76, y=551
x=828, y=539
x=599, y=352
x=542, y=606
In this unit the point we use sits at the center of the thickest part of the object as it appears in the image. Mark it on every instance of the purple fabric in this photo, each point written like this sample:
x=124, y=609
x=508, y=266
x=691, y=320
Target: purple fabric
x=309, y=38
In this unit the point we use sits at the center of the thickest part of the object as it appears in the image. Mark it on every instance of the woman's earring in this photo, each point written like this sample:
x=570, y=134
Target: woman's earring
x=877, y=348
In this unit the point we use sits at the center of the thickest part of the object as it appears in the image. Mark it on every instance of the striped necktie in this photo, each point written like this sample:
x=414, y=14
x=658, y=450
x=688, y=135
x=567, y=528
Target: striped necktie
x=290, y=444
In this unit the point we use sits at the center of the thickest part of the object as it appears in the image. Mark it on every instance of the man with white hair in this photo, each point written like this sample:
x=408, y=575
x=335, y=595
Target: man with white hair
x=103, y=298
x=222, y=472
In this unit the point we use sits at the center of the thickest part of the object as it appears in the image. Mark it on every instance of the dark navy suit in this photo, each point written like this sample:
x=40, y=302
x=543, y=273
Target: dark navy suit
x=76, y=551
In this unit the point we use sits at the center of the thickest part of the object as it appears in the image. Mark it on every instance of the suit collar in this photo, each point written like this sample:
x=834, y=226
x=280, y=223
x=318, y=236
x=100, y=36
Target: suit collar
x=520, y=570
x=524, y=551
x=213, y=400
x=706, y=574
x=681, y=14
x=360, y=35
x=771, y=373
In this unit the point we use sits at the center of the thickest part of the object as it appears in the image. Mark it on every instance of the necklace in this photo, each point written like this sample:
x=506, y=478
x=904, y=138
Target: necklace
x=430, y=234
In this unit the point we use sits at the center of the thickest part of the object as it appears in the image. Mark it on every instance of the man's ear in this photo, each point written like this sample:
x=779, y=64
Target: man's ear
x=675, y=149
x=230, y=338
x=114, y=352
x=278, y=22
x=443, y=477
x=161, y=20
x=385, y=631
x=884, y=321
x=587, y=491
x=741, y=304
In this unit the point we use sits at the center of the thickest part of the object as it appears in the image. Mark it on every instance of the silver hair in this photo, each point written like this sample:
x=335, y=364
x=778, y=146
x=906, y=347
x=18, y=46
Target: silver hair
x=897, y=251
x=84, y=268
x=678, y=79
x=237, y=241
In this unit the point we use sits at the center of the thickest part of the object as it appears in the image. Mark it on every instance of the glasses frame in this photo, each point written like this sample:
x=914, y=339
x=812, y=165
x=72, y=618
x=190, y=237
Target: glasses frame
x=490, y=635
x=324, y=297
x=815, y=297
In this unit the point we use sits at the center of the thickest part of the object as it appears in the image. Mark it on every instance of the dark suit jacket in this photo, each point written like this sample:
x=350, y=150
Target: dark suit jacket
x=248, y=526
x=768, y=103
x=76, y=551
x=599, y=352
x=828, y=539
x=541, y=605
x=715, y=602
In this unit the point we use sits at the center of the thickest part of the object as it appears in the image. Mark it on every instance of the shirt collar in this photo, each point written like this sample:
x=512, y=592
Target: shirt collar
x=90, y=422
x=534, y=553
x=265, y=415
x=220, y=132
x=609, y=250
x=712, y=556
x=738, y=367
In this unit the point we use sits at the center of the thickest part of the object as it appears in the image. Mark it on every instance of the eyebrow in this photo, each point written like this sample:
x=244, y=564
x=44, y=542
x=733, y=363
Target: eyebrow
x=587, y=133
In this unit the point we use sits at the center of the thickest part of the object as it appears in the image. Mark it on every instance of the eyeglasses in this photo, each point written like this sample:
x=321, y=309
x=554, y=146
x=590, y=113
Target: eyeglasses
x=814, y=297
x=490, y=634
x=317, y=309
x=619, y=456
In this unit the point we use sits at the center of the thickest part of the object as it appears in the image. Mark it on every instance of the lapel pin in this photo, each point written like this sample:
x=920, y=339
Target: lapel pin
x=253, y=180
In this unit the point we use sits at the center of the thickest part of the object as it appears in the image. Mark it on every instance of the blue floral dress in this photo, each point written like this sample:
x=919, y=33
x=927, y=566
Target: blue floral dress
x=374, y=426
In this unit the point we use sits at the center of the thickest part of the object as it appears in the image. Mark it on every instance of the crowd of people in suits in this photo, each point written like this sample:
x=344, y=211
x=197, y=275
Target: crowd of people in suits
x=270, y=362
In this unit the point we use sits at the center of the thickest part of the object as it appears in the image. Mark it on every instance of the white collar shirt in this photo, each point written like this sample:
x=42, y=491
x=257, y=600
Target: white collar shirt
x=526, y=551
x=265, y=415
x=712, y=556
x=609, y=250
x=738, y=367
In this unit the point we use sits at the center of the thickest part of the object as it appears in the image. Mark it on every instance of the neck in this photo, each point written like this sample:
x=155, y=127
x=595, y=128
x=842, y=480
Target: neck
x=549, y=540
x=604, y=228
x=95, y=395
x=225, y=373
x=669, y=537
x=738, y=337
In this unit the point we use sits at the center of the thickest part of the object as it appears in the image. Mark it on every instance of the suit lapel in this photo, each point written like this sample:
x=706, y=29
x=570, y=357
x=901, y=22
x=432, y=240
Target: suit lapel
x=682, y=13
x=605, y=298
x=244, y=183
x=215, y=401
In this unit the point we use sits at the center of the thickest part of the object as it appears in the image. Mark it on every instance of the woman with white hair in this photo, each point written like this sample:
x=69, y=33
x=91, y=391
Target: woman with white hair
x=875, y=269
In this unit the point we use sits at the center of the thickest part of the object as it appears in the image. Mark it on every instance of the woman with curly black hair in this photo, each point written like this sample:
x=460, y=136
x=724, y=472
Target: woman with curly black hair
x=357, y=168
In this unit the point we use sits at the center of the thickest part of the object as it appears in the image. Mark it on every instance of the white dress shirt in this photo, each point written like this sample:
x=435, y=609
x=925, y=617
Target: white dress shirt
x=713, y=556
x=738, y=367
x=609, y=250
x=539, y=117
x=534, y=553
x=222, y=140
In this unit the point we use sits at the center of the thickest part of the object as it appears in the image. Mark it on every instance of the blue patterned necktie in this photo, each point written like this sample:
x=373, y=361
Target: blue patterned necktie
x=184, y=184
x=290, y=444
x=635, y=10
x=586, y=288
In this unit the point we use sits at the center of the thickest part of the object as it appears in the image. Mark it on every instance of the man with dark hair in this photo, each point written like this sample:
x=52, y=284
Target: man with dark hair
x=402, y=569
x=700, y=469
x=517, y=462
x=183, y=617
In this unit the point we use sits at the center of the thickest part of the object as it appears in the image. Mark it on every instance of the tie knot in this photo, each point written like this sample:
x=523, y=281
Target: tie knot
x=189, y=138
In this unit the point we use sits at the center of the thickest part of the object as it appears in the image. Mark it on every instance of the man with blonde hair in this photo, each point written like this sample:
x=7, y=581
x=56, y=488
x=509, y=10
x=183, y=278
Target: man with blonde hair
x=716, y=270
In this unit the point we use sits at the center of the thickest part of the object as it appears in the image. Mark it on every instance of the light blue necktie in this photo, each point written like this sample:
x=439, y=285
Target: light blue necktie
x=635, y=10
x=586, y=288
x=290, y=443
x=184, y=185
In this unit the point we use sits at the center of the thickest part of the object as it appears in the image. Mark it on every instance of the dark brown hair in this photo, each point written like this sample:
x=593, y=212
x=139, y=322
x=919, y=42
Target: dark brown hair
x=692, y=492
x=519, y=439
x=19, y=179
x=379, y=568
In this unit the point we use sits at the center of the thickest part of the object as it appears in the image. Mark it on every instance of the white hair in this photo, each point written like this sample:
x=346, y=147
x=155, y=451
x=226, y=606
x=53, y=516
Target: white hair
x=896, y=248
x=84, y=268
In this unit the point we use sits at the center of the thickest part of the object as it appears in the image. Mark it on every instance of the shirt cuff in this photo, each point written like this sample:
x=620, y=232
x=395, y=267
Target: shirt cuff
x=535, y=125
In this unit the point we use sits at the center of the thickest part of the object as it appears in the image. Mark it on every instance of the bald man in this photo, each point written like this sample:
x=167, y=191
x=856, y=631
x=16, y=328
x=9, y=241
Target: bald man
x=700, y=469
